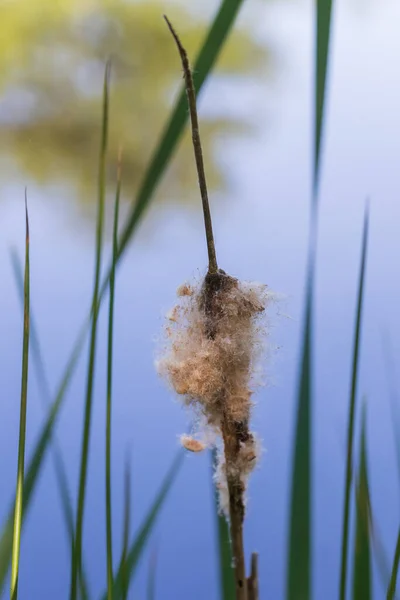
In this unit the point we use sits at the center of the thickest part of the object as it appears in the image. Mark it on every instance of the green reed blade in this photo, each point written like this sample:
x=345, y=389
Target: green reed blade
x=22, y=424
x=130, y=561
x=110, y=579
x=77, y=548
x=362, y=585
x=352, y=407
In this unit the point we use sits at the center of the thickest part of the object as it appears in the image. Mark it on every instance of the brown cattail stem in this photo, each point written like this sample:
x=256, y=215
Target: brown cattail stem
x=236, y=508
x=252, y=581
x=198, y=153
x=234, y=433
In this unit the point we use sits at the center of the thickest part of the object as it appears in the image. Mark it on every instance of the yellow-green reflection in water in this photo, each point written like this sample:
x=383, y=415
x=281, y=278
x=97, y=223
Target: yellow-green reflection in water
x=52, y=58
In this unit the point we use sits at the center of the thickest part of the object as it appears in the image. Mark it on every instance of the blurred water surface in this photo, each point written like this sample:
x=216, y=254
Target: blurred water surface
x=260, y=206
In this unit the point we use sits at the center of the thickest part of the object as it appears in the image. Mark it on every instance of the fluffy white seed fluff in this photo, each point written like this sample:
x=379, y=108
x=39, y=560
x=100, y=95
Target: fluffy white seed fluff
x=214, y=374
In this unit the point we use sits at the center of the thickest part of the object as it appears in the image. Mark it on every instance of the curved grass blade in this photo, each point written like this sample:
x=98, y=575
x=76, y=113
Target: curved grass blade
x=37, y=461
x=110, y=580
x=362, y=552
x=352, y=406
x=394, y=405
x=226, y=574
x=77, y=548
x=59, y=465
x=379, y=555
x=299, y=560
x=22, y=424
x=324, y=12
x=299, y=553
x=45, y=394
x=126, y=529
x=395, y=569
x=128, y=566
x=378, y=549
x=43, y=384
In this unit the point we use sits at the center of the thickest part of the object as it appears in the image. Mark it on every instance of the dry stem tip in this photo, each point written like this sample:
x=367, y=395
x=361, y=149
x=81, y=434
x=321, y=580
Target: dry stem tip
x=198, y=153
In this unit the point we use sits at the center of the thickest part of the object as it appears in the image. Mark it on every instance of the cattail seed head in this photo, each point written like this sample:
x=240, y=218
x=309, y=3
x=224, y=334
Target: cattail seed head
x=214, y=338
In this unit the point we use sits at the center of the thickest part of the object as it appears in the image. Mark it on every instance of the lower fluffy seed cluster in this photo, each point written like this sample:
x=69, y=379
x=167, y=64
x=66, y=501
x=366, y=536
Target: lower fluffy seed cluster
x=214, y=339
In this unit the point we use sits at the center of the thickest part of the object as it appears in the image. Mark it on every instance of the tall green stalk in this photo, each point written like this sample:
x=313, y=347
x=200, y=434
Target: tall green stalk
x=77, y=549
x=352, y=407
x=44, y=388
x=126, y=529
x=299, y=569
x=110, y=581
x=362, y=572
x=130, y=558
x=395, y=568
x=22, y=425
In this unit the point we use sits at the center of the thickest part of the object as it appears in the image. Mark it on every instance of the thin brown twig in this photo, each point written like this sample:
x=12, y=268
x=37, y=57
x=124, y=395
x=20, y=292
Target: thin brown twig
x=198, y=153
